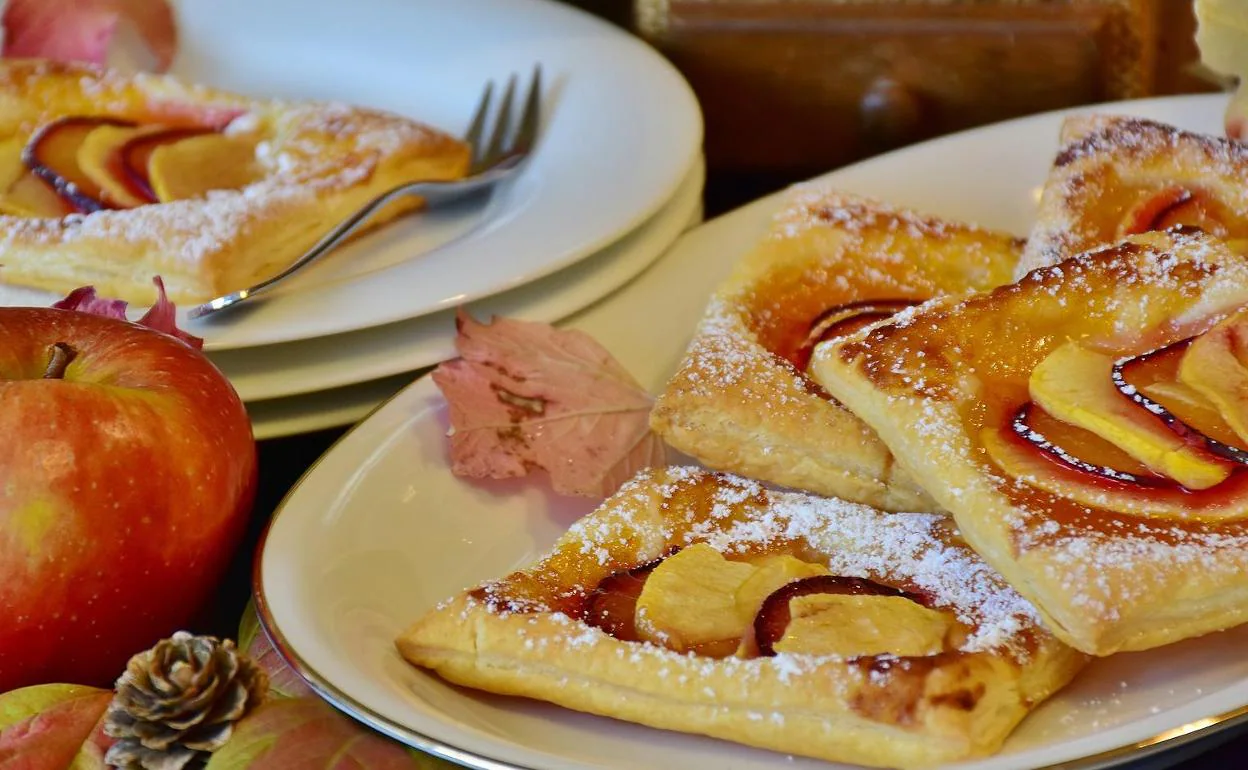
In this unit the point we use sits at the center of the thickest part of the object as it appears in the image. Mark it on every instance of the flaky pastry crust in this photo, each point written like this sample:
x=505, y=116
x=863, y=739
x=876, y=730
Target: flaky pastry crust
x=738, y=401
x=320, y=162
x=935, y=381
x=1108, y=165
x=522, y=635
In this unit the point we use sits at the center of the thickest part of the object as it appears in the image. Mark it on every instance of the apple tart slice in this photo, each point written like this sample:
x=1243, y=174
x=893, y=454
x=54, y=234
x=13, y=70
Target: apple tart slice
x=108, y=179
x=741, y=400
x=1116, y=176
x=705, y=603
x=1087, y=429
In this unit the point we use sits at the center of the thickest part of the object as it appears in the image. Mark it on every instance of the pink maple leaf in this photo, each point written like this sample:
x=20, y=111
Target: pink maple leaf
x=525, y=395
x=84, y=30
x=161, y=316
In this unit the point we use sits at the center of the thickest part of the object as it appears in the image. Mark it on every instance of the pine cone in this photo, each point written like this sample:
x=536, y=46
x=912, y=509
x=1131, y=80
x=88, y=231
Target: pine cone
x=178, y=702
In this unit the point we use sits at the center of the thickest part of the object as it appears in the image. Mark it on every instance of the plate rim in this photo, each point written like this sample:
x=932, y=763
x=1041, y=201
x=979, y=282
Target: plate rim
x=1172, y=738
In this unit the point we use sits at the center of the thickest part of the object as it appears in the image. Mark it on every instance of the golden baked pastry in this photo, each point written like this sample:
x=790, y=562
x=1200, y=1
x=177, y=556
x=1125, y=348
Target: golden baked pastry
x=706, y=603
x=1116, y=176
x=741, y=401
x=109, y=180
x=1083, y=426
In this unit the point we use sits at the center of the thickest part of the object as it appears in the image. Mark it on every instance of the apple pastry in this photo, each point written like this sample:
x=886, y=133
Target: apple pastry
x=1087, y=429
x=1117, y=176
x=741, y=400
x=706, y=603
x=109, y=180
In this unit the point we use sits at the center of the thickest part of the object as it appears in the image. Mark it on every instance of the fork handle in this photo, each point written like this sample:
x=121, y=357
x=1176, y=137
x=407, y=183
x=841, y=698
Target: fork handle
x=434, y=193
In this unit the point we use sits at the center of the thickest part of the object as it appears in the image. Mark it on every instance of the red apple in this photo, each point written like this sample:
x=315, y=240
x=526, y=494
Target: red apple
x=127, y=474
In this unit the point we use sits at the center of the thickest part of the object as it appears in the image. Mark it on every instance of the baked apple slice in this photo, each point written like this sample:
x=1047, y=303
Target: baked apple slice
x=688, y=603
x=136, y=154
x=194, y=165
x=52, y=155
x=1075, y=384
x=1023, y=452
x=21, y=192
x=612, y=604
x=843, y=320
x=1213, y=366
x=847, y=617
x=99, y=158
x=1175, y=205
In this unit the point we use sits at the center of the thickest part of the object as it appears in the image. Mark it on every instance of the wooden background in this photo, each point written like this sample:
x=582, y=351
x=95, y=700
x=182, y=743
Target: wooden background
x=794, y=88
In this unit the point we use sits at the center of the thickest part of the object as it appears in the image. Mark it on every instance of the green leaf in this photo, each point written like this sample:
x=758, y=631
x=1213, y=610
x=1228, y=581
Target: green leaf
x=53, y=727
x=283, y=681
x=308, y=734
x=248, y=625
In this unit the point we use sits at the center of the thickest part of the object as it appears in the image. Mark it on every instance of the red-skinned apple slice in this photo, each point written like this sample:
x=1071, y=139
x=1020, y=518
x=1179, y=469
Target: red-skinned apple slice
x=1182, y=396
x=612, y=605
x=52, y=155
x=100, y=159
x=136, y=153
x=24, y=194
x=1076, y=385
x=196, y=165
x=845, y=319
x=31, y=196
x=1214, y=367
x=1174, y=206
x=773, y=617
x=1027, y=455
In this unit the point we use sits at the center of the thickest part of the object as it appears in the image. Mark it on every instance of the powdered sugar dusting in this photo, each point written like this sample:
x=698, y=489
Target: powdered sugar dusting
x=725, y=354
x=1107, y=557
x=1104, y=154
x=915, y=550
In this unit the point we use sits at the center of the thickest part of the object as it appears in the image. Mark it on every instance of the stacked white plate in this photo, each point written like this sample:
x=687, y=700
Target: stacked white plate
x=617, y=176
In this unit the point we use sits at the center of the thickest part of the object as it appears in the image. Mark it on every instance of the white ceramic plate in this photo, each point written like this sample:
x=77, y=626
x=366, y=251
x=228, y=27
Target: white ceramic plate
x=324, y=409
x=294, y=368
x=622, y=130
x=380, y=530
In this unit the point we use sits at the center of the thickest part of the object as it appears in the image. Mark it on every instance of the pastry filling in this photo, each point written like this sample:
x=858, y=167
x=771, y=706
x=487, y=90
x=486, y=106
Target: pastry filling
x=1175, y=206
x=697, y=601
x=81, y=164
x=842, y=320
x=1163, y=434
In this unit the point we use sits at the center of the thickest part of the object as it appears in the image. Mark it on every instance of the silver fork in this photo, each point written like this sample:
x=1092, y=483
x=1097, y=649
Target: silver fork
x=492, y=161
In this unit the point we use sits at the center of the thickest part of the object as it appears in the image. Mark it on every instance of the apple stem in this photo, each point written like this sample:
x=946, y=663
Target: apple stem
x=58, y=361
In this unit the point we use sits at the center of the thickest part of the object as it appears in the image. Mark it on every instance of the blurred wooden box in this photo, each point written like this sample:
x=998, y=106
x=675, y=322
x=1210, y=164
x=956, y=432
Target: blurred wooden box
x=798, y=85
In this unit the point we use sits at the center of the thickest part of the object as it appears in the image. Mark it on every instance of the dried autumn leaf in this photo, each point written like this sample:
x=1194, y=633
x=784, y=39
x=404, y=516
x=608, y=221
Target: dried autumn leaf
x=86, y=30
x=53, y=727
x=255, y=644
x=526, y=395
x=302, y=733
x=161, y=316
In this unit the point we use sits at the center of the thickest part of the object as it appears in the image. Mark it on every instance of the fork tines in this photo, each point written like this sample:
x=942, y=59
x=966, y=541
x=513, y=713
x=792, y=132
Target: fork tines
x=505, y=142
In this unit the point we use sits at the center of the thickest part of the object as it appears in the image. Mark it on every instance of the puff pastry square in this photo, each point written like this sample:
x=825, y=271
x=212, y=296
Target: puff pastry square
x=530, y=633
x=1019, y=410
x=1116, y=176
x=316, y=162
x=741, y=401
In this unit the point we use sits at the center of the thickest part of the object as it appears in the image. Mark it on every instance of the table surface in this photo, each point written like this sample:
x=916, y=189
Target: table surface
x=283, y=461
